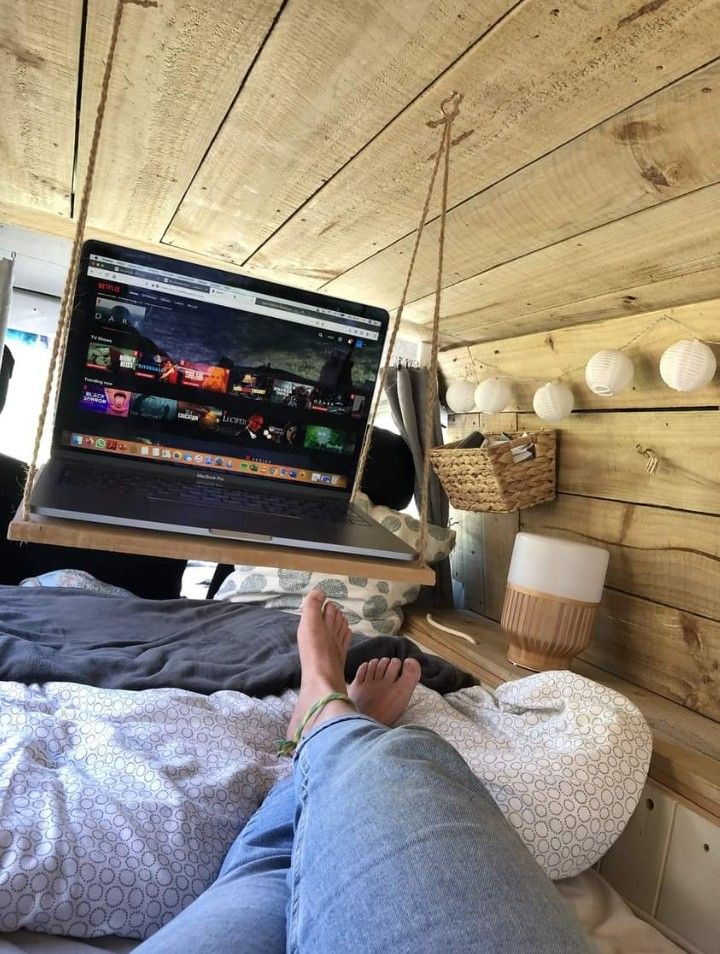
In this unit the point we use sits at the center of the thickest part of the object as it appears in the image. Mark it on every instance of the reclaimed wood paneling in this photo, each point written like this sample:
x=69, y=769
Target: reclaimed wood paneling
x=675, y=239
x=530, y=360
x=670, y=556
x=178, y=67
x=330, y=78
x=665, y=146
x=580, y=64
x=39, y=50
x=668, y=651
x=598, y=457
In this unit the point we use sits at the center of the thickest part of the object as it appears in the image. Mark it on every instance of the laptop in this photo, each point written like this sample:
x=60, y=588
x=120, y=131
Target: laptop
x=200, y=401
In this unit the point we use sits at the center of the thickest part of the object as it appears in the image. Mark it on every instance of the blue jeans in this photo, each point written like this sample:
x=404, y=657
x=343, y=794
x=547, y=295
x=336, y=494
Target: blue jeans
x=382, y=841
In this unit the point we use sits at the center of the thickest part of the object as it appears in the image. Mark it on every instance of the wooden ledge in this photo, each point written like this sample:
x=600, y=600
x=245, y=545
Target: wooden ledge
x=686, y=745
x=186, y=546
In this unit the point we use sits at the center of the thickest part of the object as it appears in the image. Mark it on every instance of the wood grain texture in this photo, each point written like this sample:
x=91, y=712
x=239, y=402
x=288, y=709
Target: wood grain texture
x=669, y=556
x=89, y=536
x=178, y=67
x=668, y=651
x=481, y=557
x=39, y=49
x=573, y=73
x=674, y=240
x=530, y=360
x=665, y=146
x=597, y=457
x=331, y=76
x=686, y=745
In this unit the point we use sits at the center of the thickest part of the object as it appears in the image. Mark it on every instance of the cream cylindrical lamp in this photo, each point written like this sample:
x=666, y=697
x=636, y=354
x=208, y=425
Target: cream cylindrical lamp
x=553, y=590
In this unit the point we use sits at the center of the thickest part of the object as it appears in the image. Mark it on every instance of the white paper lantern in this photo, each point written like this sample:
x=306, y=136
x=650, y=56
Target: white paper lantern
x=493, y=395
x=609, y=372
x=687, y=365
x=553, y=401
x=460, y=396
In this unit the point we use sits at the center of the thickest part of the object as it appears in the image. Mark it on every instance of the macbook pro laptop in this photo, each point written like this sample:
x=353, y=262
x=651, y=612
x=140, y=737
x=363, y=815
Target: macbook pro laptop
x=206, y=402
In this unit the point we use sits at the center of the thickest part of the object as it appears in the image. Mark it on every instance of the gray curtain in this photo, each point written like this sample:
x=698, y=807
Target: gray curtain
x=406, y=391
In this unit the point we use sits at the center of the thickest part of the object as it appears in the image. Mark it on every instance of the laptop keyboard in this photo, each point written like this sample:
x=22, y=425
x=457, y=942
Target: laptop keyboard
x=332, y=511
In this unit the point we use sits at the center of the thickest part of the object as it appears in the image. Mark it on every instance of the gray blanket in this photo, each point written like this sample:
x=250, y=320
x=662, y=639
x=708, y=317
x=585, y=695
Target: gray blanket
x=114, y=642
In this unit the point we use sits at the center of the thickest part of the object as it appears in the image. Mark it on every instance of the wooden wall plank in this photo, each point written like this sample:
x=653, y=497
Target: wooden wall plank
x=597, y=457
x=572, y=75
x=677, y=238
x=481, y=558
x=178, y=67
x=530, y=360
x=665, y=650
x=670, y=556
x=331, y=76
x=665, y=146
x=39, y=51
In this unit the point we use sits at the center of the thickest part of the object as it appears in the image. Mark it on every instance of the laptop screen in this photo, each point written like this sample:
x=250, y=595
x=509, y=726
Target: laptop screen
x=193, y=367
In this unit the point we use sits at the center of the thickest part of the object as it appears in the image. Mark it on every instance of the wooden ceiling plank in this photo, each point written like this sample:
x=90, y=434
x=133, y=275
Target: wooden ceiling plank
x=580, y=64
x=331, y=76
x=674, y=240
x=530, y=360
x=39, y=51
x=178, y=67
x=667, y=293
x=665, y=146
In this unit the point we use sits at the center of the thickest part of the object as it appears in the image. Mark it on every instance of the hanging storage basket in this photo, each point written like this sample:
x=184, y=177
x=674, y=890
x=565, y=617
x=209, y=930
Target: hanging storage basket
x=487, y=479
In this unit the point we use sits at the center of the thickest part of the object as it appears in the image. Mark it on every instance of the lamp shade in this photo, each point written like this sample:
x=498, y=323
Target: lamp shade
x=493, y=395
x=687, y=365
x=553, y=589
x=609, y=372
x=460, y=396
x=553, y=401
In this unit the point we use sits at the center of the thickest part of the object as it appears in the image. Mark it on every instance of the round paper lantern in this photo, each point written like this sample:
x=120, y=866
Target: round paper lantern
x=460, y=396
x=493, y=395
x=687, y=365
x=553, y=401
x=609, y=372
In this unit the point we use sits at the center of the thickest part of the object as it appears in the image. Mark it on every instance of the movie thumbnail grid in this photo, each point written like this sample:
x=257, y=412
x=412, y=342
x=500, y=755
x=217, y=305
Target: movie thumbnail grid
x=254, y=383
x=260, y=430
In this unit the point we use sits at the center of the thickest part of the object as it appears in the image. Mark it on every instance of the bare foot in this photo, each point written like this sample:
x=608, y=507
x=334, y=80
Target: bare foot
x=382, y=688
x=323, y=639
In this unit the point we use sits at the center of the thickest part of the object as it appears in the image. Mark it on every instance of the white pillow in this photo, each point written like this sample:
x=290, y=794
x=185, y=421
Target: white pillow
x=564, y=758
x=372, y=607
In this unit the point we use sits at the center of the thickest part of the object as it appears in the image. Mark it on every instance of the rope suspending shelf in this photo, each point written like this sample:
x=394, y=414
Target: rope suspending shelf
x=30, y=527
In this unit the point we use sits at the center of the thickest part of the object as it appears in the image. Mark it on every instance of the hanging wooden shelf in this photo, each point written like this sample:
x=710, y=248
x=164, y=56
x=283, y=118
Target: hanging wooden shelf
x=97, y=536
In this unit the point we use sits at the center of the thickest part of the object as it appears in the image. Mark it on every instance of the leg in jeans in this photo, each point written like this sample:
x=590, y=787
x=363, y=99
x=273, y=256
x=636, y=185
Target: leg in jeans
x=244, y=911
x=398, y=846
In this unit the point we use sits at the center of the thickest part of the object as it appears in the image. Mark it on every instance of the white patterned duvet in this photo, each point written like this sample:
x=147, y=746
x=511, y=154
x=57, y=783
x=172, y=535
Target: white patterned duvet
x=117, y=807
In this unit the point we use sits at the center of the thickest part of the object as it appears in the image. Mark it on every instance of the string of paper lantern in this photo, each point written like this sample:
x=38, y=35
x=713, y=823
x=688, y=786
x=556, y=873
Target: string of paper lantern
x=684, y=366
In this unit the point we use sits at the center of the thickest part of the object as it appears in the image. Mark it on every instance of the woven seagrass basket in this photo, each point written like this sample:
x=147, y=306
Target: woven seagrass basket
x=488, y=479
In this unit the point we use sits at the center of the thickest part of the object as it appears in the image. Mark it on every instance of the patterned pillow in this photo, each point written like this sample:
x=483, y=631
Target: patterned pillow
x=372, y=607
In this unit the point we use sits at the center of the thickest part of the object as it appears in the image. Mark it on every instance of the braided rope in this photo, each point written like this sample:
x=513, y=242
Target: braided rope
x=449, y=109
x=60, y=340
x=395, y=329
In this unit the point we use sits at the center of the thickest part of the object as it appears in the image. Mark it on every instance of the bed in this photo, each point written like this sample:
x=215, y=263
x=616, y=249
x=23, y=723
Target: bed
x=124, y=676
